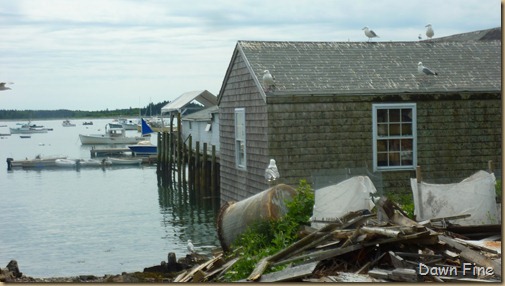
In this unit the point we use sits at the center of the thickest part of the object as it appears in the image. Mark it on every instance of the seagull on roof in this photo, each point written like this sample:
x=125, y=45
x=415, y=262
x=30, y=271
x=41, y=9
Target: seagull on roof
x=271, y=172
x=268, y=80
x=424, y=70
x=191, y=247
x=3, y=87
x=429, y=31
x=370, y=33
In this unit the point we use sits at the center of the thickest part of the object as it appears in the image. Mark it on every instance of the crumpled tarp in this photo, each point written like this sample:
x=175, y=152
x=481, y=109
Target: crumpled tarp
x=474, y=195
x=335, y=201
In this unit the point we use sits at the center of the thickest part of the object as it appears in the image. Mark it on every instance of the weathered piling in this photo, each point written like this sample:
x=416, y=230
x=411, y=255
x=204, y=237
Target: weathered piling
x=189, y=168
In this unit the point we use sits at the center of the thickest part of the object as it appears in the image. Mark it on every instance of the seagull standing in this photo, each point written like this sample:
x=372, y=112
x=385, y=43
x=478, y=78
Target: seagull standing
x=424, y=70
x=3, y=87
x=191, y=247
x=268, y=80
x=429, y=31
x=271, y=172
x=370, y=33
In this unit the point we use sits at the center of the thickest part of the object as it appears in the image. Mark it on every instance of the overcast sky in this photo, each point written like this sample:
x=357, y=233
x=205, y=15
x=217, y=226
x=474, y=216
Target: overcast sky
x=110, y=54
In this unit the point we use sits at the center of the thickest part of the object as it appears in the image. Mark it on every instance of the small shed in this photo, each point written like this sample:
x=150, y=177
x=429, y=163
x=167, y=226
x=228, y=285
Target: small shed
x=340, y=105
x=202, y=126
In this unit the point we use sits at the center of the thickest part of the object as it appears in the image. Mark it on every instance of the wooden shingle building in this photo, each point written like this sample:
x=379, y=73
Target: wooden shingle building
x=356, y=104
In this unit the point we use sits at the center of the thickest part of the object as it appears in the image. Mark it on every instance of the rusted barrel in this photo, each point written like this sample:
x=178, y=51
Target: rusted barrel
x=235, y=217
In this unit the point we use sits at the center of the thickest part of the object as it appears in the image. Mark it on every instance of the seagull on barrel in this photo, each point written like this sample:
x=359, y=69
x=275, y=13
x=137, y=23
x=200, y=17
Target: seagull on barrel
x=424, y=70
x=271, y=172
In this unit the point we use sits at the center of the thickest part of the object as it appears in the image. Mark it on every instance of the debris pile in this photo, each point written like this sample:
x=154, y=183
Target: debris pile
x=382, y=247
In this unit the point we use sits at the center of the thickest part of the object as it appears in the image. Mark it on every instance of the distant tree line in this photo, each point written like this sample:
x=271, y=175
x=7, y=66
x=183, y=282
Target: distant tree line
x=151, y=109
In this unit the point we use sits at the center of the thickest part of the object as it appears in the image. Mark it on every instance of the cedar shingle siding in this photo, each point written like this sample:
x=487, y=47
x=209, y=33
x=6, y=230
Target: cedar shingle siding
x=319, y=117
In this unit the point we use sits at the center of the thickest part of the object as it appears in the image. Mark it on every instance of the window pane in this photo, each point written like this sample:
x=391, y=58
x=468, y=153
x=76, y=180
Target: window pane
x=382, y=146
x=382, y=159
x=382, y=115
x=382, y=129
x=394, y=159
x=394, y=130
x=406, y=115
x=406, y=129
x=394, y=115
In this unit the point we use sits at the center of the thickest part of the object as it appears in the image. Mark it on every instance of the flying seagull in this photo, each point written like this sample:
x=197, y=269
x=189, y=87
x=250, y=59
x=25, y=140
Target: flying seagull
x=370, y=33
x=191, y=247
x=429, y=31
x=424, y=70
x=271, y=172
x=268, y=80
x=3, y=87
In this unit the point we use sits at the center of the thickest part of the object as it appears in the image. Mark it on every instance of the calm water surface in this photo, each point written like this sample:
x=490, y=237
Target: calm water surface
x=63, y=222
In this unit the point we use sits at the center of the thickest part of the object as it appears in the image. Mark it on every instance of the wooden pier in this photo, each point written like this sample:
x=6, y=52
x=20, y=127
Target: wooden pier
x=182, y=165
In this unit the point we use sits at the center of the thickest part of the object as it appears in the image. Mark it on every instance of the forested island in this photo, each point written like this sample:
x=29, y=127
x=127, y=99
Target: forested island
x=149, y=110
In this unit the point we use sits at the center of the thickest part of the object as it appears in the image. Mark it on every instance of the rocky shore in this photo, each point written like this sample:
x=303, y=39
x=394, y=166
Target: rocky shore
x=166, y=271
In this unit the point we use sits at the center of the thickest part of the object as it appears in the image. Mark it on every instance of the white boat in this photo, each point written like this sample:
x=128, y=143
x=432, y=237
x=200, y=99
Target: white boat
x=127, y=124
x=28, y=129
x=124, y=161
x=67, y=123
x=114, y=134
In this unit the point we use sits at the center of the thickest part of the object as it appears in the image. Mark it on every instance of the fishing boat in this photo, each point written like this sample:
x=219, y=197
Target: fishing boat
x=114, y=134
x=28, y=128
x=127, y=124
x=67, y=123
x=87, y=123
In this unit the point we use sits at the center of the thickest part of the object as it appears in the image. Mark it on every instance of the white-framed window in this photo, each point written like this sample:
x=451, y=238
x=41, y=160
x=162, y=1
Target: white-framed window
x=394, y=136
x=240, y=140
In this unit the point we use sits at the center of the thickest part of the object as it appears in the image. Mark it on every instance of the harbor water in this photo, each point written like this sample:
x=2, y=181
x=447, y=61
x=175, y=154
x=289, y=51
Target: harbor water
x=93, y=221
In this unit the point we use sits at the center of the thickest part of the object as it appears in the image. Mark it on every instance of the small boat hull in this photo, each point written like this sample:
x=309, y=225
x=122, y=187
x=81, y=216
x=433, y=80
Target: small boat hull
x=144, y=149
x=124, y=161
x=104, y=139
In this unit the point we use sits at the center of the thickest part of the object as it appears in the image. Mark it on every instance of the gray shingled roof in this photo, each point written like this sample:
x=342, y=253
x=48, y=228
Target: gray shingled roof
x=378, y=67
x=493, y=34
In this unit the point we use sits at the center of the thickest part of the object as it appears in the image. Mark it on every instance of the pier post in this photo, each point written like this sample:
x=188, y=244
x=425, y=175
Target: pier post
x=179, y=150
x=197, y=167
x=205, y=185
x=190, y=163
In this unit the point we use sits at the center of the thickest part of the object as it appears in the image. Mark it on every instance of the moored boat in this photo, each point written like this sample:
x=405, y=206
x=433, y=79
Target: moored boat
x=124, y=161
x=127, y=124
x=114, y=134
x=27, y=129
x=67, y=123
x=144, y=148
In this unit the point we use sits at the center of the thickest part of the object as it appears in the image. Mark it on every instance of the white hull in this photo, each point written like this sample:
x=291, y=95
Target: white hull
x=118, y=161
x=23, y=130
x=104, y=139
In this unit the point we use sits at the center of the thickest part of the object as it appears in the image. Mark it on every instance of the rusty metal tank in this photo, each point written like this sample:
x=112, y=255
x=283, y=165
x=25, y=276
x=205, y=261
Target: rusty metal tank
x=235, y=217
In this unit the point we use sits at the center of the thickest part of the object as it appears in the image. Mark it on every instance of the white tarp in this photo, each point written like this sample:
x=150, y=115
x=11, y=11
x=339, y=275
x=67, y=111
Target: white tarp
x=474, y=195
x=335, y=201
